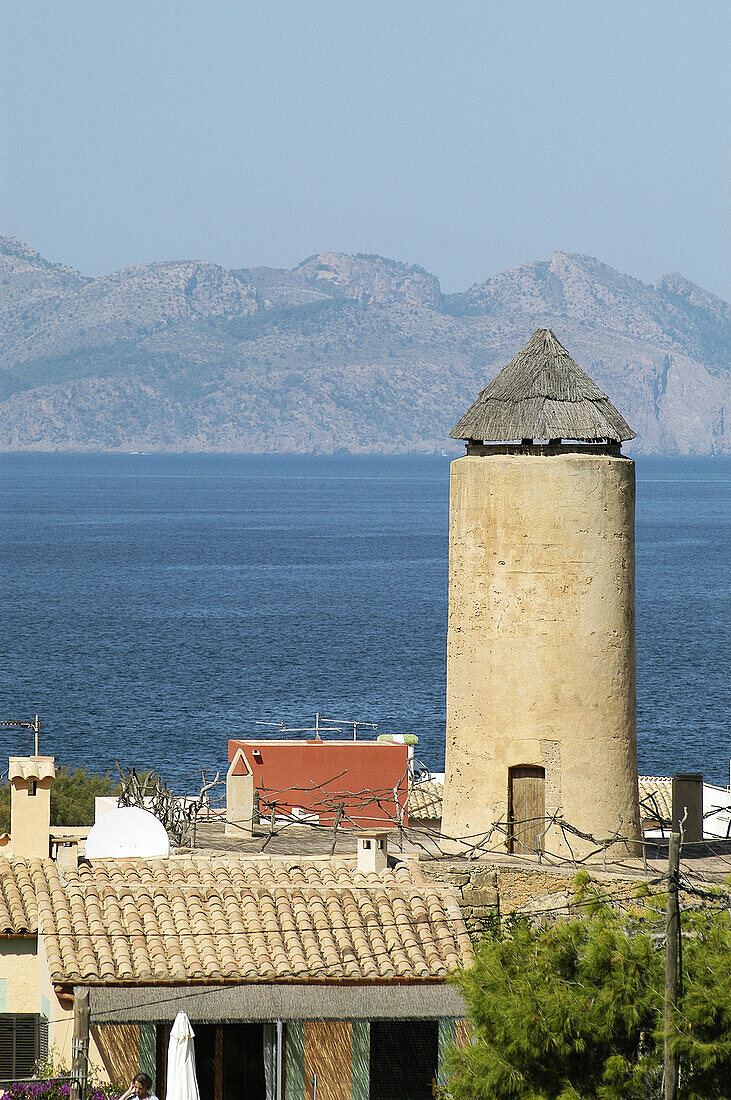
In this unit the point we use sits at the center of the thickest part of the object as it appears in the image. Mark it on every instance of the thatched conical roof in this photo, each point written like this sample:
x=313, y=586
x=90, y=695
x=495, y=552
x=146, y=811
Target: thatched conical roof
x=542, y=394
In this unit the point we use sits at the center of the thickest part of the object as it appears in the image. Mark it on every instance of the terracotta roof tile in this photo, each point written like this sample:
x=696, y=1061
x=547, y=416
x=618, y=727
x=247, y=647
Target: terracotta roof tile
x=18, y=905
x=425, y=800
x=656, y=794
x=232, y=919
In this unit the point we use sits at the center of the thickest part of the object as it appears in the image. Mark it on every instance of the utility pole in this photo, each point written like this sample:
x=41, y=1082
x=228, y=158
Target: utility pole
x=672, y=939
x=80, y=1045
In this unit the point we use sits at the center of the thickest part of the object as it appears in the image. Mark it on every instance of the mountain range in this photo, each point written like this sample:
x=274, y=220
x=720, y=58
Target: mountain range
x=342, y=353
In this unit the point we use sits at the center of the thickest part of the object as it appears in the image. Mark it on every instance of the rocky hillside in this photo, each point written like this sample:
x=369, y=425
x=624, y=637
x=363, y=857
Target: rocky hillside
x=354, y=353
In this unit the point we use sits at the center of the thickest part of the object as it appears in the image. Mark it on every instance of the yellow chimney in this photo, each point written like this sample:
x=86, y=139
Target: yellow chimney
x=30, y=805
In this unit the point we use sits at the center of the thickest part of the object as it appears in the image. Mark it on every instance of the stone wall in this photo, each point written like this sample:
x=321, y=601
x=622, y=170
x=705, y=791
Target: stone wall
x=487, y=890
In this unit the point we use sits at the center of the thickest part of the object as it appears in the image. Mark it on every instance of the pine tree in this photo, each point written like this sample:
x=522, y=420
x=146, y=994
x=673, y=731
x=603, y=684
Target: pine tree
x=573, y=1010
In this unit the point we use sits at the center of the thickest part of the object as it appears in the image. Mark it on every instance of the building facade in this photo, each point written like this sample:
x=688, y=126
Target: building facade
x=292, y=971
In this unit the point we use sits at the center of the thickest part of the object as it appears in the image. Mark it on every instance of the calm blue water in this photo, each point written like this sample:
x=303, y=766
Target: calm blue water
x=153, y=606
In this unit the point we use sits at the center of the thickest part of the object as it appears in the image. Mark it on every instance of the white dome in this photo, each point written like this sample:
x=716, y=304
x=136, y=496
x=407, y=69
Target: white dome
x=128, y=831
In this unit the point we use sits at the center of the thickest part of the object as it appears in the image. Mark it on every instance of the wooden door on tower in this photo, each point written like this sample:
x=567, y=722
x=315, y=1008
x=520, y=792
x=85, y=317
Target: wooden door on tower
x=526, y=808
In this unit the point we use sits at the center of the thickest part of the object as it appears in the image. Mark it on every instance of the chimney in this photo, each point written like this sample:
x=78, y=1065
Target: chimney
x=372, y=852
x=688, y=806
x=30, y=805
x=67, y=853
x=239, y=797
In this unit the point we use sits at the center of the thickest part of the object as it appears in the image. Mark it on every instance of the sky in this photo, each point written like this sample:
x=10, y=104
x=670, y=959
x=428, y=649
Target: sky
x=464, y=137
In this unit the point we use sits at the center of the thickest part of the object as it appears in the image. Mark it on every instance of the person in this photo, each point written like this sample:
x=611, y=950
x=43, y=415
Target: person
x=140, y=1086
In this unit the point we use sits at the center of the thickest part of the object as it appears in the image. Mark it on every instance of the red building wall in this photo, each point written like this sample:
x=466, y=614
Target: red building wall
x=317, y=775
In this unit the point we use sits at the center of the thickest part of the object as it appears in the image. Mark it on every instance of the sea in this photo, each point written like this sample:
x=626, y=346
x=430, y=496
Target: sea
x=154, y=606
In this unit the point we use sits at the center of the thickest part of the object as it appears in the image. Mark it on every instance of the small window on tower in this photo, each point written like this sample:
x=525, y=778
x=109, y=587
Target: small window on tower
x=32, y=787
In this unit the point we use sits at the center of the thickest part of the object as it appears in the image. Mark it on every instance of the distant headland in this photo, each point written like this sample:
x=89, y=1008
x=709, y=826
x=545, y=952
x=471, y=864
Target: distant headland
x=356, y=354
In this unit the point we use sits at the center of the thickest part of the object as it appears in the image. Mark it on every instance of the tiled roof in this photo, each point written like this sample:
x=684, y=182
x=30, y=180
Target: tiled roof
x=656, y=793
x=425, y=799
x=228, y=919
x=18, y=909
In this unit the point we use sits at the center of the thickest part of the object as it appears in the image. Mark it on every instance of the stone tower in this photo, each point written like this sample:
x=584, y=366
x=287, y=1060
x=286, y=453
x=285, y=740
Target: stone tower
x=541, y=709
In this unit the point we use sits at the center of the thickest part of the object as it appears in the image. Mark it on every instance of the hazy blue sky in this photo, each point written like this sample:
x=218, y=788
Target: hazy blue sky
x=466, y=137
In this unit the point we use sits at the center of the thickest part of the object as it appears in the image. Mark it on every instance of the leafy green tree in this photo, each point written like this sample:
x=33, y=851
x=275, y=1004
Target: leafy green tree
x=4, y=807
x=703, y=1024
x=72, y=797
x=574, y=1010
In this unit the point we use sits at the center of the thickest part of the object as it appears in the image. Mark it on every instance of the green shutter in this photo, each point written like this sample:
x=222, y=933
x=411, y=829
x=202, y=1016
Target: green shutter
x=294, y=1060
x=447, y=1036
x=7, y=1047
x=148, y=1049
x=360, y=1080
x=19, y=1043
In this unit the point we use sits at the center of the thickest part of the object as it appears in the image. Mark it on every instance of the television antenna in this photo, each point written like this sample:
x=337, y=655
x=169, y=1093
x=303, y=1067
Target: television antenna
x=354, y=724
x=19, y=723
x=333, y=725
x=317, y=729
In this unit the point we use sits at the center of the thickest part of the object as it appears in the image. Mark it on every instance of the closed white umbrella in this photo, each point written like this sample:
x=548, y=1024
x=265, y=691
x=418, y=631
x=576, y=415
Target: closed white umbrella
x=181, y=1079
